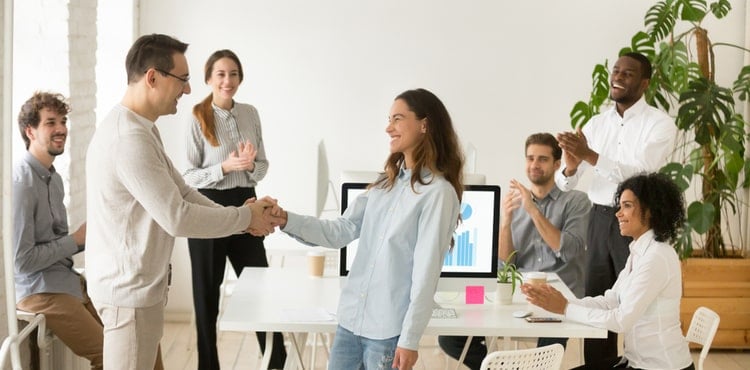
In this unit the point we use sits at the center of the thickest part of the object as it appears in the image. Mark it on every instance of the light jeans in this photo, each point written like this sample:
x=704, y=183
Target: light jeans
x=353, y=352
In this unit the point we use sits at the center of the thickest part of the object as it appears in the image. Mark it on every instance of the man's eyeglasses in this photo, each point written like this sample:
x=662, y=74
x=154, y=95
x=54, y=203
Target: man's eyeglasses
x=185, y=80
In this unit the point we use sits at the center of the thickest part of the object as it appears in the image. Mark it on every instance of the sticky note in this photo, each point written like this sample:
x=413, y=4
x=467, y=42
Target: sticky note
x=474, y=294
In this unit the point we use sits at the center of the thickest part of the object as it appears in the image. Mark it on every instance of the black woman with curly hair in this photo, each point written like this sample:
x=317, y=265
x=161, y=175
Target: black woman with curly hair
x=644, y=303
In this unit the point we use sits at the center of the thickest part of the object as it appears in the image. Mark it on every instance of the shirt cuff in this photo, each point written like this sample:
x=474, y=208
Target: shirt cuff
x=576, y=313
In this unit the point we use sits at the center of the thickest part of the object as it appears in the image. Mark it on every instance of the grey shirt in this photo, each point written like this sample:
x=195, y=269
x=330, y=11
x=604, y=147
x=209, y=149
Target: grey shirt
x=568, y=211
x=43, y=249
x=239, y=124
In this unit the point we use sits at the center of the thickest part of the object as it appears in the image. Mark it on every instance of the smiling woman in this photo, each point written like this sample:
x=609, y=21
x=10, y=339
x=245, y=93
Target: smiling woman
x=644, y=302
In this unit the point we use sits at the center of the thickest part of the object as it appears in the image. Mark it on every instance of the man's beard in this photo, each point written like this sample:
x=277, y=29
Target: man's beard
x=54, y=152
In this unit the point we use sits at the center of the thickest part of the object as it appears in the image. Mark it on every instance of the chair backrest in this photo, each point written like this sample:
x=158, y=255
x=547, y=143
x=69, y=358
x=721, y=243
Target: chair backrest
x=702, y=330
x=541, y=358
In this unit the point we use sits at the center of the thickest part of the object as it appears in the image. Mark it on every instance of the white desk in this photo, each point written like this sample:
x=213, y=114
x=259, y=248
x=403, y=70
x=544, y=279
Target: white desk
x=262, y=295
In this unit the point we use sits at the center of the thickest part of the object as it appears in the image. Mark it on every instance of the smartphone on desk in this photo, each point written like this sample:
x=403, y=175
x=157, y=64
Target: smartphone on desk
x=542, y=319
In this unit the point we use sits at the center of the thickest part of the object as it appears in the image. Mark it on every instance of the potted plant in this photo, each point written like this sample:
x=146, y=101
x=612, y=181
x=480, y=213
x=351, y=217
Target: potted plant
x=709, y=155
x=507, y=278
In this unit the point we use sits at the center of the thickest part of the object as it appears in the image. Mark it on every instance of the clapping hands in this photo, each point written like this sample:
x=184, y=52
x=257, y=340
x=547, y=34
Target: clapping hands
x=242, y=159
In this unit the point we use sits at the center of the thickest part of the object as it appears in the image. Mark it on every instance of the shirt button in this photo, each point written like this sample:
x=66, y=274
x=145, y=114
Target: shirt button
x=539, y=259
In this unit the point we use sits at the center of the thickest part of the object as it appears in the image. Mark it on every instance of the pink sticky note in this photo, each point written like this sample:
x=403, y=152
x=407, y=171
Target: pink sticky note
x=474, y=294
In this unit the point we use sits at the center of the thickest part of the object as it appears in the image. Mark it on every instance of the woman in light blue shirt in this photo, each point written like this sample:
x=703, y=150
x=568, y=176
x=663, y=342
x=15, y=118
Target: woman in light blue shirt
x=405, y=224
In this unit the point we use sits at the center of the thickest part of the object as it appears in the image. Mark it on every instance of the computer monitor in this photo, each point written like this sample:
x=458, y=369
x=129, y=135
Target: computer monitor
x=473, y=258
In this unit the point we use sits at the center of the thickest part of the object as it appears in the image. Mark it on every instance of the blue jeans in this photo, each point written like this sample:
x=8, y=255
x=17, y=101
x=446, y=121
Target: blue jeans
x=353, y=352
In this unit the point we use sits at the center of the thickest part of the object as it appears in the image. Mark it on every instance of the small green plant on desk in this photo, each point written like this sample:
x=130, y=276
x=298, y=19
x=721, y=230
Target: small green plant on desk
x=509, y=273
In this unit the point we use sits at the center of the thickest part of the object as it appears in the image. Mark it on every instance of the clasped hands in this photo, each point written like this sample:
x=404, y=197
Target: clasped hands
x=266, y=215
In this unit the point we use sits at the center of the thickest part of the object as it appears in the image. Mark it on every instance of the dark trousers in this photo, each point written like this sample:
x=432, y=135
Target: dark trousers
x=609, y=363
x=606, y=254
x=208, y=260
x=454, y=345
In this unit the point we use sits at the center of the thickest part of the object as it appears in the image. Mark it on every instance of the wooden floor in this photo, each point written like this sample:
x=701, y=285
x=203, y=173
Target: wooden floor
x=240, y=351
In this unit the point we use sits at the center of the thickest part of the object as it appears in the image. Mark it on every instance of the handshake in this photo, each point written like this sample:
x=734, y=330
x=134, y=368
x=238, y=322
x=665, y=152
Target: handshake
x=266, y=215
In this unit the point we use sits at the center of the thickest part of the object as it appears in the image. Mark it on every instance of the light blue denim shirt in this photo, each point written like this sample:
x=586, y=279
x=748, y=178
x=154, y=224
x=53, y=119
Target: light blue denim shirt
x=404, y=235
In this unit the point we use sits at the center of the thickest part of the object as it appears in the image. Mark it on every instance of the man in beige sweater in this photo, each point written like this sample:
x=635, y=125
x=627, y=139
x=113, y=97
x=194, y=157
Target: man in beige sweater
x=138, y=202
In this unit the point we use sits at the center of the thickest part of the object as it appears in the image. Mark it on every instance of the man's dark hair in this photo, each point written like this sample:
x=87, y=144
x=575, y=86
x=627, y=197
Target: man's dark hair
x=544, y=138
x=152, y=51
x=29, y=115
x=645, y=64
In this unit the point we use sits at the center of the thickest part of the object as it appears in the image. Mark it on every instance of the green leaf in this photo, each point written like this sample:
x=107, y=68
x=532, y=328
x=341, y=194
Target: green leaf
x=679, y=173
x=684, y=243
x=660, y=20
x=673, y=65
x=705, y=106
x=696, y=160
x=644, y=44
x=720, y=8
x=691, y=10
x=600, y=86
x=742, y=84
x=732, y=168
x=746, y=179
x=580, y=115
x=701, y=216
x=657, y=98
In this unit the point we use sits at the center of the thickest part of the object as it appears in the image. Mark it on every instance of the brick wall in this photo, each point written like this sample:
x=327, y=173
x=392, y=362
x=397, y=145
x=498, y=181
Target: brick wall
x=62, y=60
x=82, y=84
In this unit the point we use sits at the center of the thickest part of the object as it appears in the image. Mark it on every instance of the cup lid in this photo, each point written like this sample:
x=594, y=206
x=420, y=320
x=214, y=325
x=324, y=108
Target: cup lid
x=536, y=275
x=316, y=253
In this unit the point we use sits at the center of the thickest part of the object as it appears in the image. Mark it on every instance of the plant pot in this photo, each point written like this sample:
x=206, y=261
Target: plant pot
x=504, y=293
x=723, y=285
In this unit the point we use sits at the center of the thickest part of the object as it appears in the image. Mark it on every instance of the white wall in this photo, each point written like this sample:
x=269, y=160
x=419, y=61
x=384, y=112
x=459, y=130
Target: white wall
x=330, y=69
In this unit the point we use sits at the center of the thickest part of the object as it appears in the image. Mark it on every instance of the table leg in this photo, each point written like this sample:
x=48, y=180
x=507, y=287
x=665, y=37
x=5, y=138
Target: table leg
x=506, y=343
x=267, y=355
x=463, y=353
x=296, y=349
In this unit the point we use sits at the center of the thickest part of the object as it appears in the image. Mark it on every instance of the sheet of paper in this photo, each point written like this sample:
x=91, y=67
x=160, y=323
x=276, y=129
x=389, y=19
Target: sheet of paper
x=310, y=314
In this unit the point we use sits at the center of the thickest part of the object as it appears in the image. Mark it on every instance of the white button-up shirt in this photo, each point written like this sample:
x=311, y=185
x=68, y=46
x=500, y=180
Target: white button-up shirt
x=639, y=141
x=644, y=304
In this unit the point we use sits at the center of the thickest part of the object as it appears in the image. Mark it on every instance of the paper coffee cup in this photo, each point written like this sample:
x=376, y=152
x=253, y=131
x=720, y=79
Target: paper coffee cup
x=536, y=278
x=316, y=263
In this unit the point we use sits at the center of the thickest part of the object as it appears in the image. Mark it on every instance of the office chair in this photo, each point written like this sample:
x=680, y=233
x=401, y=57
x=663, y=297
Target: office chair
x=542, y=358
x=702, y=329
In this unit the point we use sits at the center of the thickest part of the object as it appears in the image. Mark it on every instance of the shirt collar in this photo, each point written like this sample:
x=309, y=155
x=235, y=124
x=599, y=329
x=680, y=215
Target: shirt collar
x=404, y=174
x=223, y=113
x=147, y=123
x=553, y=194
x=39, y=169
x=635, y=109
x=638, y=247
